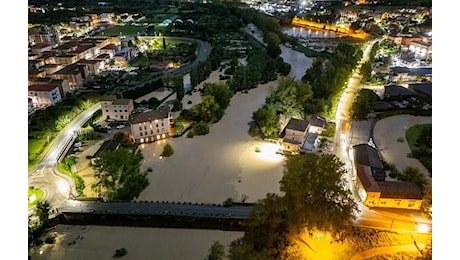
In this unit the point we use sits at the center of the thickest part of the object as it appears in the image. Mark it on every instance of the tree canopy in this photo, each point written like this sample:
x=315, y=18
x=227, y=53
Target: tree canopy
x=118, y=173
x=314, y=193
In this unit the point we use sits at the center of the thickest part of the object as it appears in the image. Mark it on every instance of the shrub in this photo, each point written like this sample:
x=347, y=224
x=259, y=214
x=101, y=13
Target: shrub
x=258, y=150
x=394, y=172
x=49, y=240
x=228, y=202
x=201, y=128
x=167, y=151
x=120, y=252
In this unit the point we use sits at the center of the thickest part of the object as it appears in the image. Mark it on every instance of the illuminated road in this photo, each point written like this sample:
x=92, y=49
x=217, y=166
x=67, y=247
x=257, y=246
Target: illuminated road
x=350, y=133
x=58, y=187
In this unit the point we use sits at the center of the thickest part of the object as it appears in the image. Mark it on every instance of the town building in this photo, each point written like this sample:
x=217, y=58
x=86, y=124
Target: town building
x=44, y=95
x=152, y=125
x=301, y=135
x=369, y=179
x=116, y=109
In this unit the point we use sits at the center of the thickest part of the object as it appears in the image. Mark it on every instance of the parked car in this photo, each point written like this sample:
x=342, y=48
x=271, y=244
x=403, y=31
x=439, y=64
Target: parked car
x=120, y=126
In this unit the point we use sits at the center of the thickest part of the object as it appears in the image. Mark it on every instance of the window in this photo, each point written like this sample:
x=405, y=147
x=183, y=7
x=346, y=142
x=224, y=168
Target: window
x=158, y=130
x=141, y=134
x=162, y=124
x=106, y=110
x=411, y=203
x=157, y=125
x=145, y=133
x=121, y=117
x=151, y=132
x=145, y=127
x=140, y=128
x=151, y=126
x=126, y=110
x=115, y=110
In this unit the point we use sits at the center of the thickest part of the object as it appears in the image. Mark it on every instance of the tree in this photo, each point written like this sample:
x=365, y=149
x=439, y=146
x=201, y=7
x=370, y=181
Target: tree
x=200, y=128
x=167, y=150
x=314, y=193
x=118, y=173
x=265, y=122
x=208, y=109
x=123, y=138
x=413, y=175
x=43, y=212
x=366, y=70
x=425, y=139
x=289, y=96
x=220, y=91
x=178, y=82
x=216, y=252
x=362, y=104
x=267, y=228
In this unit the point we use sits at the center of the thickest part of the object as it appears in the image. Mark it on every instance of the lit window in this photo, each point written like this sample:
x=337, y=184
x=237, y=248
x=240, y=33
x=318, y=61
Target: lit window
x=151, y=126
x=158, y=136
x=156, y=120
x=163, y=135
x=142, y=140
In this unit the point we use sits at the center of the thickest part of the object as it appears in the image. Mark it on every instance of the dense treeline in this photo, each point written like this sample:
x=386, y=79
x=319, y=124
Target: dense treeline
x=144, y=90
x=288, y=98
x=328, y=77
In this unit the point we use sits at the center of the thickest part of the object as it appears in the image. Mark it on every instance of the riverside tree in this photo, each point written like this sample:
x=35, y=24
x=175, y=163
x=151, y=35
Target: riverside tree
x=315, y=197
x=118, y=174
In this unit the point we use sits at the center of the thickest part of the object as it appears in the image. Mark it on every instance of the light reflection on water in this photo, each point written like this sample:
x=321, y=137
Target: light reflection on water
x=308, y=32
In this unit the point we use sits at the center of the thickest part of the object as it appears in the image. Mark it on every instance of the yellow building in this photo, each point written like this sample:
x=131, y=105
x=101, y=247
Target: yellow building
x=384, y=194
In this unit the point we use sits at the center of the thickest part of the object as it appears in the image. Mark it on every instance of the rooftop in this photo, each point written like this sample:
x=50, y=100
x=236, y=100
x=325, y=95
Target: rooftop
x=317, y=121
x=397, y=90
x=150, y=115
x=42, y=87
x=365, y=177
x=399, y=189
x=367, y=155
x=424, y=88
x=121, y=101
x=297, y=124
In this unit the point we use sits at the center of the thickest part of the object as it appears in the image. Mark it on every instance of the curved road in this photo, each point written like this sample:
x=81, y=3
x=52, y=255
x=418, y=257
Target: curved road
x=58, y=187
